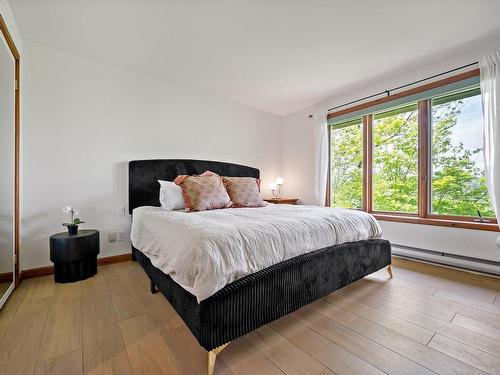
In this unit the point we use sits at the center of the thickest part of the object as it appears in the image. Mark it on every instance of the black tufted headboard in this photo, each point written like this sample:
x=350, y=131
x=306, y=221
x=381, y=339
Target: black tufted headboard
x=143, y=176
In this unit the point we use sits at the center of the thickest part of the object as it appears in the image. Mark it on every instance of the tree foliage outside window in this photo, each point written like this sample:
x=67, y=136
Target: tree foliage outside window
x=458, y=181
x=395, y=158
x=346, y=174
x=457, y=176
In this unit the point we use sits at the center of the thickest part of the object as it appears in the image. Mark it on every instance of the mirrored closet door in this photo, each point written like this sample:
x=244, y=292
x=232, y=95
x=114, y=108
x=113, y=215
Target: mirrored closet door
x=9, y=152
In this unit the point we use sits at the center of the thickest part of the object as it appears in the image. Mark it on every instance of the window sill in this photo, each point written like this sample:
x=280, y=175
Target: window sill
x=493, y=227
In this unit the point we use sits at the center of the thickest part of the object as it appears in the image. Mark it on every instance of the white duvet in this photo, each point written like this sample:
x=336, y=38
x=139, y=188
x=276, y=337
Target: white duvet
x=205, y=251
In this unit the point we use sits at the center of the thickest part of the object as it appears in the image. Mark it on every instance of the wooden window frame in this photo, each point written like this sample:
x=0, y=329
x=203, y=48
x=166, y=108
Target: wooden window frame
x=424, y=214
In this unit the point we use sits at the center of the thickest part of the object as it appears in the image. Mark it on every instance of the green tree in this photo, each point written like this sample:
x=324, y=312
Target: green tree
x=458, y=182
x=395, y=154
x=346, y=173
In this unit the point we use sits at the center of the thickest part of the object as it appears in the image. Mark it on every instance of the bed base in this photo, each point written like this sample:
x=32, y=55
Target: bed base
x=389, y=271
x=154, y=289
x=212, y=354
x=260, y=298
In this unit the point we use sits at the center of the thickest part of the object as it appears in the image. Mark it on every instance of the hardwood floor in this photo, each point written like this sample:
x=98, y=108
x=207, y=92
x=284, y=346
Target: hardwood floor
x=427, y=320
x=4, y=287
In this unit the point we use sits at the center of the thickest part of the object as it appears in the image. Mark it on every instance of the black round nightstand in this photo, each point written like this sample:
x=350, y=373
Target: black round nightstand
x=74, y=256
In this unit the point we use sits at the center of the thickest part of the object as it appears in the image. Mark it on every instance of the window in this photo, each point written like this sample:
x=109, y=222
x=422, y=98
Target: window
x=395, y=160
x=346, y=172
x=458, y=182
x=414, y=157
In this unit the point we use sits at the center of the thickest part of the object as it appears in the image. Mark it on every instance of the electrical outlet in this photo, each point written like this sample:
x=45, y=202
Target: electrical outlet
x=116, y=236
x=111, y=236
x=120, y=236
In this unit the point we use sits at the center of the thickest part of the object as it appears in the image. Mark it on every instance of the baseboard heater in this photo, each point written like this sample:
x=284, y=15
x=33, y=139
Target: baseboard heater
x=445, y=259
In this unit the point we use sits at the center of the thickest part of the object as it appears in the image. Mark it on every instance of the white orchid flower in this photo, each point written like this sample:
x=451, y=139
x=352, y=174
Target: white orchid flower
x=74, y=221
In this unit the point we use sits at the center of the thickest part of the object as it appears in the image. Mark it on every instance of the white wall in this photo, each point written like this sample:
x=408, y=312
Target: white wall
x=83, y=121
x=298, y=163
x=8, y=17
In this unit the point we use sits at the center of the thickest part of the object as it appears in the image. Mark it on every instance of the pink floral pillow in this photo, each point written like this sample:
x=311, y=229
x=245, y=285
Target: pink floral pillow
x=243, y=191
x=203, y=192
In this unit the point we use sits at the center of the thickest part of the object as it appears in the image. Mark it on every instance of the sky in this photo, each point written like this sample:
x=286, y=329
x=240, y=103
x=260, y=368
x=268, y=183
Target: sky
x=469, y=127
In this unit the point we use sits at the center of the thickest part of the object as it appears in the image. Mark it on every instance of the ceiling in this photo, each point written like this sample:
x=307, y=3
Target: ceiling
x=275, y=55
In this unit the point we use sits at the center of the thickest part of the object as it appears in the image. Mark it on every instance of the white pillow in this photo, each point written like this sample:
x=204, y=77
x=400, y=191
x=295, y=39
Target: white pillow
x=171, y=196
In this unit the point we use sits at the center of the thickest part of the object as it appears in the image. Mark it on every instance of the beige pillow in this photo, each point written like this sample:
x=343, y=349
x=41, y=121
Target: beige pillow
x=203, y=192
x=243, y=191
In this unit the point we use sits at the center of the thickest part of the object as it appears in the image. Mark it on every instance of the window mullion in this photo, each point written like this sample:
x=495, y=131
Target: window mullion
x=367, y=162
x=423, y=157
x=328, y=201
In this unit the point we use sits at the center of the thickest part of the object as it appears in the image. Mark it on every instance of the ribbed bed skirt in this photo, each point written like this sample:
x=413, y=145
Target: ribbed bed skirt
x=260, y=298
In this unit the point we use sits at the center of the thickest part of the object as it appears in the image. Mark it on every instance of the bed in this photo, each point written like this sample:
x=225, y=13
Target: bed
x=243, y=296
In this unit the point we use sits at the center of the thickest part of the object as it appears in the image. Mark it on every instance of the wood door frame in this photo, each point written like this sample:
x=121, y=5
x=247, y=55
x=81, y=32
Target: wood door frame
x=15, y=53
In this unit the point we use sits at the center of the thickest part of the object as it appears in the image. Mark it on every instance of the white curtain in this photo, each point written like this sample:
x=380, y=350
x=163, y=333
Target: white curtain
x=490, y=94
x=320, y=156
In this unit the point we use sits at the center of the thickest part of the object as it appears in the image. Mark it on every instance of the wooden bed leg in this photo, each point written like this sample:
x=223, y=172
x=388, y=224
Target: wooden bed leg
x=152, y=287
x=389, y=271
x=212, y=356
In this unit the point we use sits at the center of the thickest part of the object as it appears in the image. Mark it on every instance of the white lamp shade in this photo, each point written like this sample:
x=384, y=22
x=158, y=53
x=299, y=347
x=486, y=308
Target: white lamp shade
x=279, y=180
x=273, y=186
